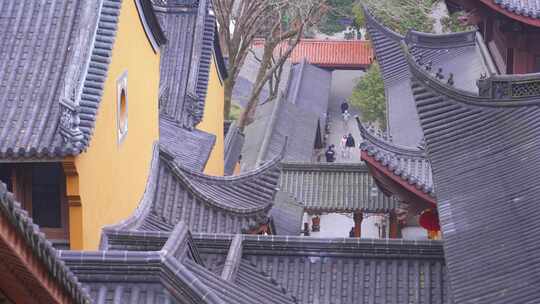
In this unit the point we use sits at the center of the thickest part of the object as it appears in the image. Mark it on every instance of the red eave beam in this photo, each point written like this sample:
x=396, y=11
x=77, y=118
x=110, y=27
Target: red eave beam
x=397, y=179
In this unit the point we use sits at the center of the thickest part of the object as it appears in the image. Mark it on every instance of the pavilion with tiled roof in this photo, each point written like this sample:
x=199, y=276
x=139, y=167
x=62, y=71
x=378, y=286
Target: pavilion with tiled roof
x=333, y=187
x=483, y=150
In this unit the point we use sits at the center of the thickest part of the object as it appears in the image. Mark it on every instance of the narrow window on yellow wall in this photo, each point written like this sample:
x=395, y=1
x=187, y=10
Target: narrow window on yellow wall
x=122, y=107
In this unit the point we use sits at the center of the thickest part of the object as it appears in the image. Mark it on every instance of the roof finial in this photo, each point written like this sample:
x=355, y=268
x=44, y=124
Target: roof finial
x=451, y=79
x=439, y=75
x=428, y=66
x=419, y=59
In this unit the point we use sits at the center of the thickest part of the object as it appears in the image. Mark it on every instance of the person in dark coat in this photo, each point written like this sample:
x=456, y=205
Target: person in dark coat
x=330, y=154
x=344, y=106
x=349, y=144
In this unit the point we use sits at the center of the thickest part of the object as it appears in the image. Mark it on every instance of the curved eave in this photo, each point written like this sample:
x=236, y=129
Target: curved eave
x=525, y=19
x=151, y=26
x=414, y=189
x=471, y=99
x=37, y=155
x=440, y=41
x=269, y=166
x=387, y=146
x=218, y=57
x=372, y=21
x=192, y=186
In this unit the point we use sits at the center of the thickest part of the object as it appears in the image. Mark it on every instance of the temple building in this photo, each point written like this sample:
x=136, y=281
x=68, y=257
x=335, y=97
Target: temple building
x=342, y=192
x=511, y=30
x=78, y=116
x=89, y=168
x=397, y=158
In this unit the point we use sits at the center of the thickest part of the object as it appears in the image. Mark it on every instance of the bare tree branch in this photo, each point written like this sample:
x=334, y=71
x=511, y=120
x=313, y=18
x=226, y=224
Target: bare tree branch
x=280, y=24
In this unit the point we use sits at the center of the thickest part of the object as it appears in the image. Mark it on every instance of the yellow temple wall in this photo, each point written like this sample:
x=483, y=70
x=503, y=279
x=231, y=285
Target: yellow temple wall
x=213, y=122
x=112, y=174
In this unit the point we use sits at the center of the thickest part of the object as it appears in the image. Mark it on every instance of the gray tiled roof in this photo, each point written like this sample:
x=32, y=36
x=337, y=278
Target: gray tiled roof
x=289, y=269
x=278, y=122
x=186, y=58
x=54, y=61
x=527, y=8
x=341, y=270
x=409, y=164
x=206, y=204
x=184, y=71
x=293, y=115
x=191, y=148
x=234, y=141
x=170, y=273
x=326, y=187
x=484, y=153
x=309, y=89
x=457, y=53
x=165, y=267
x=40, y=247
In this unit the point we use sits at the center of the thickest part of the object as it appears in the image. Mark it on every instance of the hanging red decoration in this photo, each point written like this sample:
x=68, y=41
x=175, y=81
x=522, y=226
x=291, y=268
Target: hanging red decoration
x=429, y=220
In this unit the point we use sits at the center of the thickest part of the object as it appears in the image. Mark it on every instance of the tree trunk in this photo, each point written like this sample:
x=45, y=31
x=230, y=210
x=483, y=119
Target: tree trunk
x=228, y=85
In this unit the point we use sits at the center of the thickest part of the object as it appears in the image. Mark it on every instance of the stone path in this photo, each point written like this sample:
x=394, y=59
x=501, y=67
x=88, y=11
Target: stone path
x=343, y=83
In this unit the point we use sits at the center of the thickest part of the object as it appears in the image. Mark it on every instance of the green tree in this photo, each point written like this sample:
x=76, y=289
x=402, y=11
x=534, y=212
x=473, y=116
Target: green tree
x=337, y=10
x=452, y=23
x=399, y=15
x=368, y=96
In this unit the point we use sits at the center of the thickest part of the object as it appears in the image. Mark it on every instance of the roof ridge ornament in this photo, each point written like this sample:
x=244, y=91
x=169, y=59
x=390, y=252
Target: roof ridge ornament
x=73, y=85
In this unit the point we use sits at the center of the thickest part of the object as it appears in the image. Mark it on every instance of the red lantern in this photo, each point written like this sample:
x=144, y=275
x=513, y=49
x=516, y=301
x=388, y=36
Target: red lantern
x=429, y=219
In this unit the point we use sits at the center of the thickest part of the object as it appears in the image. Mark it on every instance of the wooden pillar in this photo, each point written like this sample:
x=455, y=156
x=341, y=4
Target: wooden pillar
x=358, y=217
x=75, y=217
x=395, y=226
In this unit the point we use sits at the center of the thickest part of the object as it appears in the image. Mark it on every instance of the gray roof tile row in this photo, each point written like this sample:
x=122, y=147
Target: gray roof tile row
x=341, y=270
x=191, y=148
x=326, y=187
x=171, y=272
x=185, y=59
x=54, y=64
x=410, y=164
x=527, y=8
